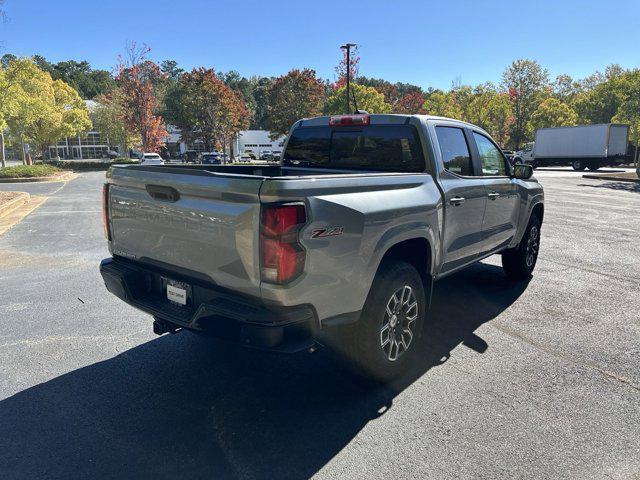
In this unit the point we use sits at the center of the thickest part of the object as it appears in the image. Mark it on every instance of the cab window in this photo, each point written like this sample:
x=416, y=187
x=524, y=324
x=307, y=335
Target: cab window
x=491, y=158
x=454, y=150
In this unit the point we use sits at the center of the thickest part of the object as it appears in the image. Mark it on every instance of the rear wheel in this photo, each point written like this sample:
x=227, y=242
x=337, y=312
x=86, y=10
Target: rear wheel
x=578, y=165
x=519, y=262
x=594, y=166
x=387, y=334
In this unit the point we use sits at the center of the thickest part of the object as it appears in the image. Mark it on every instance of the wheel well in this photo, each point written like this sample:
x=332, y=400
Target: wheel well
x=538, y=211
x=416, y=252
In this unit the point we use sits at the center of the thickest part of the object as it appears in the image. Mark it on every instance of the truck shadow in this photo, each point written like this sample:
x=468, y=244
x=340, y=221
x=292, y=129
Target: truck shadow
x=184, y=407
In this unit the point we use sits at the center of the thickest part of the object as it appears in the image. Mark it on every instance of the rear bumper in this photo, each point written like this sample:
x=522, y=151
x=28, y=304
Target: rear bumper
x=211, y=309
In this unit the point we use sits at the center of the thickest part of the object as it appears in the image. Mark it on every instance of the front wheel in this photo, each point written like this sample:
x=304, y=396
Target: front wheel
x=387, y=334
x=518, y=263
x=578, y=165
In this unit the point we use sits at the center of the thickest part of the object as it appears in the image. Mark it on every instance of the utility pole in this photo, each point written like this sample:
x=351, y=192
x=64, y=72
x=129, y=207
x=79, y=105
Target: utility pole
x=347, y=47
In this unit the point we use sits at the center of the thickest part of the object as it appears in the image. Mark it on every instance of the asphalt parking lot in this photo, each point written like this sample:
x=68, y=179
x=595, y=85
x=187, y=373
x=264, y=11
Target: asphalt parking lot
x=533, y=380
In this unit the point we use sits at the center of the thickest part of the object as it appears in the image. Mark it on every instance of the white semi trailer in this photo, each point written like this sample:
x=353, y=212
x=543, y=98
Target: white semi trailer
x=583, y=146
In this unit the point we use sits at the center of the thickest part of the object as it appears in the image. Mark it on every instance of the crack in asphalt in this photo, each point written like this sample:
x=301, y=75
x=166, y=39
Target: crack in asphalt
x=590, y=365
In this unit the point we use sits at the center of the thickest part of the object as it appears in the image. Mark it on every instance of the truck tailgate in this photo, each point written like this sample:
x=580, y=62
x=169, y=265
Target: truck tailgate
x=193, y=222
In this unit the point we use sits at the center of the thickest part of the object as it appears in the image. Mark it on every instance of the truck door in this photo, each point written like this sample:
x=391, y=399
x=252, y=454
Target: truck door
x=501, y=213
x=464, y=196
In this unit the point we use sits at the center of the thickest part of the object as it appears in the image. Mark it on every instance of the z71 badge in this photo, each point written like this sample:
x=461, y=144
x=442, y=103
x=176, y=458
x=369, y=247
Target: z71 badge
x=327, y=232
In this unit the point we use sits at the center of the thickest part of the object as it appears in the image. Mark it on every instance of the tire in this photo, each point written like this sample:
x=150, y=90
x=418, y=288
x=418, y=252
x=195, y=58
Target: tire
x=594, y=166
x=518, y=263
x=578, y=165
x=517, y=160
x=396, y=303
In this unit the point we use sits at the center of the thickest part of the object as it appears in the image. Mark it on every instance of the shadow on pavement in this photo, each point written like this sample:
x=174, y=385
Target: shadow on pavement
x=621, y=186
x=184, y=406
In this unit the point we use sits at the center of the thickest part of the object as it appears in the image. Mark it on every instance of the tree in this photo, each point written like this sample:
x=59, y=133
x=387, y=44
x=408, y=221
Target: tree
x=108, y=118
x=551, y=113
x=441, y=104
x=260, y=116
x=65, y=116
x=362, y=98
x=491, y=110
x=88, y=82
x=410, y=103
x=298, y=94
x=138, y=78
x=565, y=89
x=26, y=96
x=171, y=70
x=600, y=104
x=207, y=109
x=629, y=110
x=353, y=67
x=524, y=81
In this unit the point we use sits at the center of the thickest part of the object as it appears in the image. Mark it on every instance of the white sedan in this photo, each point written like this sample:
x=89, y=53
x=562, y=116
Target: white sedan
x=151, y=159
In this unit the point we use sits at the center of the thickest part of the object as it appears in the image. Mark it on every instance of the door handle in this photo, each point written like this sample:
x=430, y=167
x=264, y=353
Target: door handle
x=456, y=200
x=493, y=195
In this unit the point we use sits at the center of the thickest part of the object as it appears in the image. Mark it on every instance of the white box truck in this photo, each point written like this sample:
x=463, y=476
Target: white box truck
x=583, y=146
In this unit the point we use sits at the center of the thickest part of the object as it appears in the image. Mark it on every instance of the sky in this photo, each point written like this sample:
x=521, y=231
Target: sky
x=423, y=42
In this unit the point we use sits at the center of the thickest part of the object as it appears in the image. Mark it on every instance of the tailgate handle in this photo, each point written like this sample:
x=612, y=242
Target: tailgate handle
x=165, y=194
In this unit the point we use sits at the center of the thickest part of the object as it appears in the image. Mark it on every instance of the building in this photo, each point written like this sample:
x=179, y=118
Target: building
x=256, y=141
x=92, y=145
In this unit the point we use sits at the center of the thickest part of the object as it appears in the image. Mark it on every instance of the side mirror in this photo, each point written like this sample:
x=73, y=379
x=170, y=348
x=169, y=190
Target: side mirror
x=522, y=171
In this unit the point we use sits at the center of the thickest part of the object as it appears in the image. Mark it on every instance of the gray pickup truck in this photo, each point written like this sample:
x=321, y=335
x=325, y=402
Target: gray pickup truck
x=338, y=244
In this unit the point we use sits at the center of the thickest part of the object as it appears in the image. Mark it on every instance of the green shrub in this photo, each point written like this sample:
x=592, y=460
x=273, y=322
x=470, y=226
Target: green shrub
x=80, y=165
x=28, y=171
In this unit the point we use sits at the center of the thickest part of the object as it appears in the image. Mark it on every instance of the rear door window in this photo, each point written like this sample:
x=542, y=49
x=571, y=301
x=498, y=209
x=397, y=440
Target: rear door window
x=454, y=150
x=375, y=147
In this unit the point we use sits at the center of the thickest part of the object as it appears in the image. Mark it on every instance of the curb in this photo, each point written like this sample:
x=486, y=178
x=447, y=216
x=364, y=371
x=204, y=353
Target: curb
x=60, y=177
x=612, y=177
x=15, y=203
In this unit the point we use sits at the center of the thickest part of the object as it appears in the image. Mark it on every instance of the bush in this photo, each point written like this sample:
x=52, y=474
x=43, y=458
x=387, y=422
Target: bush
x=28, y=171
x=80, y=165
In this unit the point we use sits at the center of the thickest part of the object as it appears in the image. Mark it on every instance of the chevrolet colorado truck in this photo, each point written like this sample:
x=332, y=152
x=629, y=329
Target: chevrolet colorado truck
x=346, y=234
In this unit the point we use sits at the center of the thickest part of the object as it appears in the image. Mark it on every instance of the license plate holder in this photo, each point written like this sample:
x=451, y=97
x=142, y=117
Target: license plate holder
x=178, y=293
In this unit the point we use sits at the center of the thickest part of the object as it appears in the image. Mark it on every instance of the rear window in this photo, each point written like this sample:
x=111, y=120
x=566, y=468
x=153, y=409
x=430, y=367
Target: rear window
x=375, y=147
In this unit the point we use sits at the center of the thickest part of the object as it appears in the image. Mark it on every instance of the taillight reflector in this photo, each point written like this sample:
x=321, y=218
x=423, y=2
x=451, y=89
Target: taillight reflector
x=349, y=120
x=282, y=256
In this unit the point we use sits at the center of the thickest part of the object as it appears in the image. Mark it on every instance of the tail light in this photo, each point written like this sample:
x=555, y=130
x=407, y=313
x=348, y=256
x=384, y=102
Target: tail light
x=105, y=211
x=281, y=254
x=349, y=120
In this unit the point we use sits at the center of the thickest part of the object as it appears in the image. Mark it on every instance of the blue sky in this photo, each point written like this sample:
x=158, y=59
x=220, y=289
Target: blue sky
x=416, y=41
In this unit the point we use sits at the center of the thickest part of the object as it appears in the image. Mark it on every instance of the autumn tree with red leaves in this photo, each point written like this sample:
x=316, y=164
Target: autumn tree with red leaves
x=411, y=103
x=206, y=109
x=298, y=94
x=138, y=79
x=341, y=69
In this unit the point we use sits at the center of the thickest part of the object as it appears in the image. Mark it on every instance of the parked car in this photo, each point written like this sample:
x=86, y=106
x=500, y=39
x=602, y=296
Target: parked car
x=276, y=155
x=243, y=157
x=189, y=156
x=339, y=245
x=151, y=159
x=210, y=158
x=251, y=154
x=266, y=155
x=111, y=154
x=583, y=146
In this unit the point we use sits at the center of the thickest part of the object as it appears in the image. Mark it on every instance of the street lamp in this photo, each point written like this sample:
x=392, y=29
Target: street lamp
x=347, y=47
